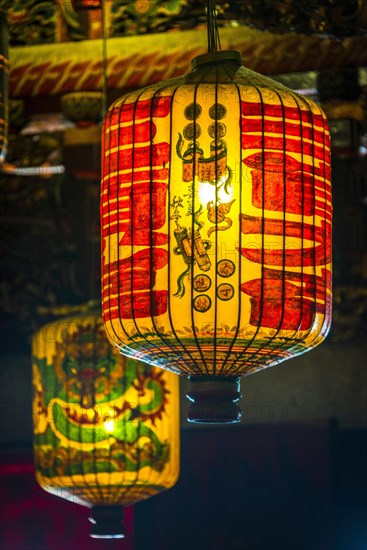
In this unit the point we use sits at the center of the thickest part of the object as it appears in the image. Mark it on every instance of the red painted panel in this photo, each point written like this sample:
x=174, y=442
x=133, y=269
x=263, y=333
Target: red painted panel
x=271, y=110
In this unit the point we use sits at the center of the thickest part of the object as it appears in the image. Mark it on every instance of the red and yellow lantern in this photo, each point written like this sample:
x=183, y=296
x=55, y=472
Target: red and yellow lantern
x=106, y=428
x=216, y=227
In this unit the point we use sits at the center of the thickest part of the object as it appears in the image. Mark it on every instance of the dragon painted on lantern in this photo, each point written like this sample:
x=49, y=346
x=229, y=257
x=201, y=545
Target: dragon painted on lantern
x=107, y=404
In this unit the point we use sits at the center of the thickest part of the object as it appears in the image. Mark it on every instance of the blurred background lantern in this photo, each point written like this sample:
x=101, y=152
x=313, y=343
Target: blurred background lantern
x=4, y=70
x=216, y=227
x=106, y=428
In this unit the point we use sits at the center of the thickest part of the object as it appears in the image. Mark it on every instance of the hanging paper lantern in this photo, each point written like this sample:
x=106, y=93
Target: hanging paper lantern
x=216, y=227
x=106, y=428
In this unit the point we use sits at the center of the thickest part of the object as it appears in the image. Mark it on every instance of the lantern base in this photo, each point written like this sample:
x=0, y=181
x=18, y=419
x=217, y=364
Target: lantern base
x=107, y=522
x=214, y=399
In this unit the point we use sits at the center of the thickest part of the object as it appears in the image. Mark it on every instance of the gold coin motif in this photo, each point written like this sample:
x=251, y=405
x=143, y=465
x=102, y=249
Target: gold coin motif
x=217, y=129
x=225, y=291
x=202, y=303
x=191, y=131
x=225, y=268
x=202, y=283
x=192, y=111
x=217, y=111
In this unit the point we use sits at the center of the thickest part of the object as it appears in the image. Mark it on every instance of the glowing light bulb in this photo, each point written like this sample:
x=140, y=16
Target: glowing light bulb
x=209, y=192
x=206, y=193
x=109, y=425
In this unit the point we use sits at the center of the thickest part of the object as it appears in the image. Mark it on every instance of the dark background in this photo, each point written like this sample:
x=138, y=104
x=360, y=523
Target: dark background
x=292, y=474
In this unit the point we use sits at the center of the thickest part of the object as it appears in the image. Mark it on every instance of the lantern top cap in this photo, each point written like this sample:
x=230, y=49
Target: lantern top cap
x=214, y=58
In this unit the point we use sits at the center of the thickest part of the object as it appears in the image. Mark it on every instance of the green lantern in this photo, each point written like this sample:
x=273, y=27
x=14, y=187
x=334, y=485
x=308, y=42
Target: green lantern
x=106, y=428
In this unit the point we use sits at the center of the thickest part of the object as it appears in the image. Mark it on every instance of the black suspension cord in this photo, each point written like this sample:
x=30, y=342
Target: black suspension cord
x=104, y=61
x=212, y=27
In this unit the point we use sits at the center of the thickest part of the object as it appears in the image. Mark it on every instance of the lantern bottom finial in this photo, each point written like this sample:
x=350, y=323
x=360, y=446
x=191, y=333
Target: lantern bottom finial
x=107, y=522
x=214, y=399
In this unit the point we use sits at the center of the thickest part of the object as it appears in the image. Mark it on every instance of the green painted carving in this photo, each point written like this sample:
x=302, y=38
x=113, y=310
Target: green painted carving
x=145, y=16
x=32, y=22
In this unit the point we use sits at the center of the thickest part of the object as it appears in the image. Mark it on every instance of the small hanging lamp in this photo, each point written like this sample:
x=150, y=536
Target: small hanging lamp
x=106, y=428
x=216, y=226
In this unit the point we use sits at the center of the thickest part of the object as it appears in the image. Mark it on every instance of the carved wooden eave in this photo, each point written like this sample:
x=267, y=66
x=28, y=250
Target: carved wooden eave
x=137, y=61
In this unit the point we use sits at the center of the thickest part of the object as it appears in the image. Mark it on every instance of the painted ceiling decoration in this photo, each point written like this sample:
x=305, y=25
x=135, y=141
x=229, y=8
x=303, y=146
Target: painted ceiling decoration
x=267, y=35
x=33, y=22
x=139, y=61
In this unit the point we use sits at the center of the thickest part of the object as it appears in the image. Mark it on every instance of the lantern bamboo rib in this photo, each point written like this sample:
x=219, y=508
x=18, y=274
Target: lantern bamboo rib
x=189, y=366
x=185, y=350
x=249, y=344
x=197, y=342
x=192, y=366
x=252, y=359
x=171, y=324
x=228, y=361
x=118, y=282
x=215, y=339
x=306, y=105
x=267, y=358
